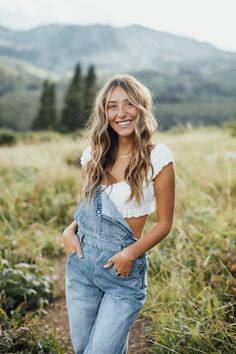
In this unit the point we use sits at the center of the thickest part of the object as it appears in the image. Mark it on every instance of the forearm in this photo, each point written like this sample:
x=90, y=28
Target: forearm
x=147, y=241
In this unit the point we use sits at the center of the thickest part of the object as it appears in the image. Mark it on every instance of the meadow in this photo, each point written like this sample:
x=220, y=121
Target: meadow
x=191, y=304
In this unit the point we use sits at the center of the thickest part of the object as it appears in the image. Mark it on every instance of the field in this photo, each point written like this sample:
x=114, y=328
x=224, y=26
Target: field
x=191, y=305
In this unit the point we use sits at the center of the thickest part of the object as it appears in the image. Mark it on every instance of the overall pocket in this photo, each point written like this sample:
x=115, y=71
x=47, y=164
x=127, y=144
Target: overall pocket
x=71, y=255
x=74, y=253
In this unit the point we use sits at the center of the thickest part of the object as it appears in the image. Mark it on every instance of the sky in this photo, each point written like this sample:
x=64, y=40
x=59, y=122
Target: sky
x=211, y=21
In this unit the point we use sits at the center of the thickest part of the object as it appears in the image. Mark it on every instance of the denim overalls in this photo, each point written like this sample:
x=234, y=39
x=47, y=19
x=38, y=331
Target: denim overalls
x=101, y=305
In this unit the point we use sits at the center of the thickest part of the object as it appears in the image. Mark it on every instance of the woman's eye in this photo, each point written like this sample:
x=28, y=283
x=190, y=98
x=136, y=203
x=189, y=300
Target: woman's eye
x=130, y=104
x=111, y=107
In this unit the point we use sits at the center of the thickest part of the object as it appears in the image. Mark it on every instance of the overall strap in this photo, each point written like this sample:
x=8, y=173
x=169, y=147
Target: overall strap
x=98, y=208
x=98, y=200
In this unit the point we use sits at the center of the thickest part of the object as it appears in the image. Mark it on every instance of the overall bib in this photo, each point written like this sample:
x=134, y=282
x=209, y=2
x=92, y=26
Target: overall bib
x=101, y=305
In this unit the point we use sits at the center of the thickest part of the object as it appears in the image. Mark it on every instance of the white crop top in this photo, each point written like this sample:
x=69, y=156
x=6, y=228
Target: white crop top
x=160, y=156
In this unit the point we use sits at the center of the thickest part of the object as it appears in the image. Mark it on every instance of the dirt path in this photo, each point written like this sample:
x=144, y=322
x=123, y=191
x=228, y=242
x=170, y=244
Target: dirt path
x=57, y=318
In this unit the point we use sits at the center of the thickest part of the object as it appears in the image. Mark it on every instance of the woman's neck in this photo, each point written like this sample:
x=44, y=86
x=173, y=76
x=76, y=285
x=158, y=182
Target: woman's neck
x=125, y=145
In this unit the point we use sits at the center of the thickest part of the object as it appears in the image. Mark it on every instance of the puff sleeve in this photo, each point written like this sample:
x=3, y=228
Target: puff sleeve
x=86, y=156
x=160, y=157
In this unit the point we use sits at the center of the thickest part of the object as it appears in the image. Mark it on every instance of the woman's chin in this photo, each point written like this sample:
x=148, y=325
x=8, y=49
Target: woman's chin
x=124, y=131
x=129, y=133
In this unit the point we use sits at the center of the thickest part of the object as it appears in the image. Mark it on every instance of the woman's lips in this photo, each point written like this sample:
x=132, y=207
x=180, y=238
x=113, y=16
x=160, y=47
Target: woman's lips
x=124, y=124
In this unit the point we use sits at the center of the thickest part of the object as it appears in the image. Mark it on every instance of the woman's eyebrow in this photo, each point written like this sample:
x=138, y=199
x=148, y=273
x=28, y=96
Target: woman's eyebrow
x=118, y=101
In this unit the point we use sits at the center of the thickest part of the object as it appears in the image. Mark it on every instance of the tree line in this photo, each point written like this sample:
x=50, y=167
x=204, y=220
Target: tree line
x=78, y=101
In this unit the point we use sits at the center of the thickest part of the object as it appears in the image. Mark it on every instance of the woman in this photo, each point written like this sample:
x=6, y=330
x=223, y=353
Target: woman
x=124, y=177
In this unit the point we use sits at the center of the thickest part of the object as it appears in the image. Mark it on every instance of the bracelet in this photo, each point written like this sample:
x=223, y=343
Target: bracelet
x=125, y=256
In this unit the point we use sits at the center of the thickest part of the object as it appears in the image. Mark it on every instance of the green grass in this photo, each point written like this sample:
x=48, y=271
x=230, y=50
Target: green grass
x=192, y=289
x=191, y=304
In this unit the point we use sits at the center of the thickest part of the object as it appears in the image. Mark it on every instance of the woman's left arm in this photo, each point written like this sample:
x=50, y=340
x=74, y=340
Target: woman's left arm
x=164, y=187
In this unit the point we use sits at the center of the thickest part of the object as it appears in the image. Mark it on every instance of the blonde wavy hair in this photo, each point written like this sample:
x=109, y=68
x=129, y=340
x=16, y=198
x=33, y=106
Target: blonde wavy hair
x=104, y=141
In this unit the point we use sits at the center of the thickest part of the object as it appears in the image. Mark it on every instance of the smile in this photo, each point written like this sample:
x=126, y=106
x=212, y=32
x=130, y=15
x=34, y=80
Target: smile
x=124, y=123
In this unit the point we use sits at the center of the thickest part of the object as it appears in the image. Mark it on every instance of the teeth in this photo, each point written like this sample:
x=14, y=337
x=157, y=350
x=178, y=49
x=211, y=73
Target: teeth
x=125, y=123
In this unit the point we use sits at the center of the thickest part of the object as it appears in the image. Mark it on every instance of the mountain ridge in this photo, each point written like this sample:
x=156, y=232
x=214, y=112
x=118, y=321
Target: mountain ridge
x=190, y=80
x=58, y=48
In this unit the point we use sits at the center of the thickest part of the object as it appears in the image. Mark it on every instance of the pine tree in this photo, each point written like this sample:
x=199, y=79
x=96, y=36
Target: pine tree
x=70, y=118
x=46, y=118
x=52, y=107
x=89, y=93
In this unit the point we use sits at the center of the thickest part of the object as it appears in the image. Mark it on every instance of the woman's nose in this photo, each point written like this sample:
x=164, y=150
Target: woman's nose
x=121, y=111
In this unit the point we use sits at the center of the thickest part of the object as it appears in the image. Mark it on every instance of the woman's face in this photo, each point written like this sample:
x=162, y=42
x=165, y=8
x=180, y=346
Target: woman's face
x=122, y=115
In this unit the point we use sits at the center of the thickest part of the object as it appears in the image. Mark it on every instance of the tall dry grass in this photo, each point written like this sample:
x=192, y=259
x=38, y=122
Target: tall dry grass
x=192, y=289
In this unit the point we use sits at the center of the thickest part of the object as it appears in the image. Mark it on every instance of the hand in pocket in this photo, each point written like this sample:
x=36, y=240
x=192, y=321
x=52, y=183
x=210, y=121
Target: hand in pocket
x=71, y=242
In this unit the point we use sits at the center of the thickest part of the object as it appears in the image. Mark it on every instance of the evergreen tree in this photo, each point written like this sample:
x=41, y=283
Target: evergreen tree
x=72, y=106
x=46, y=117
x=89, y=93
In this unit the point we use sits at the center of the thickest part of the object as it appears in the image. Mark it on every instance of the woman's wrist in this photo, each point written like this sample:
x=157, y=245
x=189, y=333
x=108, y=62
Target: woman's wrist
x=73, y=226
x=124, y=255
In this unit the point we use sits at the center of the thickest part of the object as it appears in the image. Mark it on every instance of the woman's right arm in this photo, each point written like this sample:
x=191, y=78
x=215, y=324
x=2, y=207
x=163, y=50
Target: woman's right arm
x=71, y=241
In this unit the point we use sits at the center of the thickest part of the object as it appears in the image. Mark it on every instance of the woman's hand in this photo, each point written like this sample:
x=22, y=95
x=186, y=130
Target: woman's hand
x=71, y=241
x=121, y=264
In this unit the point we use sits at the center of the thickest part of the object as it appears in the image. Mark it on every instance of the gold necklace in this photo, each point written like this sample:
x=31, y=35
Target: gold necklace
x=123, y=156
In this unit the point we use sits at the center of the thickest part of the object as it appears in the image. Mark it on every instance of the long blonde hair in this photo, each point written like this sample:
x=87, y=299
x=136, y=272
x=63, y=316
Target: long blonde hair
x=103, y=139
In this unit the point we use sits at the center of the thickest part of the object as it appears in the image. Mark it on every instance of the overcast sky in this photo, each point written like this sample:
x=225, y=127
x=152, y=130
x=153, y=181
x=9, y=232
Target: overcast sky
x=211, y=21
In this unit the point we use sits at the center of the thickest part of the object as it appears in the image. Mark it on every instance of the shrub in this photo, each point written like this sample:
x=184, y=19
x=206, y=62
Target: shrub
x=7, y=137
x=23, y=287
x=22, y=335
x=73, y=159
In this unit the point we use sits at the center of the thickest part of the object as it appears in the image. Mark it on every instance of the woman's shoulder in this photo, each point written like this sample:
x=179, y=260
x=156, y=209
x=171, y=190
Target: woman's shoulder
x=160, y=148
x=160, y=156
x=86, y=155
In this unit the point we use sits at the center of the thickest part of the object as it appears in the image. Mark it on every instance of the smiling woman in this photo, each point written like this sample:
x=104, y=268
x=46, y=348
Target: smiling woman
x=121, y=112
x=107, y=287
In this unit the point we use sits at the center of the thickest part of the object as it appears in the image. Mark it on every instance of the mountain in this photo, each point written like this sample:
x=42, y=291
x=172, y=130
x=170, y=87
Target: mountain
x=58, y=47
x=190, y=80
